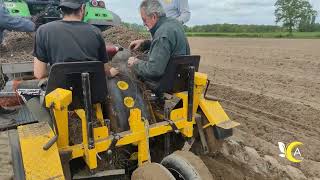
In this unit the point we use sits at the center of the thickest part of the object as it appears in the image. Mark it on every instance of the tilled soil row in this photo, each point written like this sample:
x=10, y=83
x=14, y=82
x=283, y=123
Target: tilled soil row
x=265, y=121
x=272, y=87
x=290, y=88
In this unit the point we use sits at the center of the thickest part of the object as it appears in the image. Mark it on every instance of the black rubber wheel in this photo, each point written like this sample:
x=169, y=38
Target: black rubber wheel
x=184, y=165
x=151, y=171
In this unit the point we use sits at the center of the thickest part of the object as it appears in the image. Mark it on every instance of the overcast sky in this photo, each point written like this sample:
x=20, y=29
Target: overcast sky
x=212, y=11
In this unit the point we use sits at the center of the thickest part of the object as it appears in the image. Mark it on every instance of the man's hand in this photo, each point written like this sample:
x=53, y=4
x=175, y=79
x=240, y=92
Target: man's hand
x=132, y=61
x=114, y=71
x=134, y=45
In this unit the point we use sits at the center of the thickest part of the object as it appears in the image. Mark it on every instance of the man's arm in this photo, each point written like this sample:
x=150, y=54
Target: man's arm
x=158, y=59
x=184, y=11
x=105, y=58
x=140, y=44
x=39, y=69
x=15, y=23
x=40, y=56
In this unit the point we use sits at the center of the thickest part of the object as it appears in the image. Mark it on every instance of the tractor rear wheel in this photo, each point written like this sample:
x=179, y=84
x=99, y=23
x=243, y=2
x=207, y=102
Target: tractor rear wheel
x=152, y=171
x=184, y=165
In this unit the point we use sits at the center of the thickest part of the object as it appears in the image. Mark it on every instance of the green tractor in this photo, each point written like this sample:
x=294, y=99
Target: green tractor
x=44, y=11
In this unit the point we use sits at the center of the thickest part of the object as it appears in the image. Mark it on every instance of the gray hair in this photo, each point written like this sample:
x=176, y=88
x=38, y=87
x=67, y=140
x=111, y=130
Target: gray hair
x=152, y=7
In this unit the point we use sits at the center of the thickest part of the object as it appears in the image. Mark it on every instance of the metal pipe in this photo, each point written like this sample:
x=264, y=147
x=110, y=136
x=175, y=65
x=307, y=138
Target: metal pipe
x=88, y=108
x=167, y=135
x=213, y=98
x=191, y=71
x=207, y=87
x=54, y=139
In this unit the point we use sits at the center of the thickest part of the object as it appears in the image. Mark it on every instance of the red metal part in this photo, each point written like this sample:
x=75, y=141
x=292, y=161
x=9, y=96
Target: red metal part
x=112, y=50
x=11, y=100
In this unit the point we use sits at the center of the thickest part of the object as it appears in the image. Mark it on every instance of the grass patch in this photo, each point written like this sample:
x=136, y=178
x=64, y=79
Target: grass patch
x=298, y=35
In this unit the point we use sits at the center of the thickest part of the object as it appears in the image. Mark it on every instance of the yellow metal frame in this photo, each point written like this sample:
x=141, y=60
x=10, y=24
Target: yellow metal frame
x=140, y=131
x=38, y=163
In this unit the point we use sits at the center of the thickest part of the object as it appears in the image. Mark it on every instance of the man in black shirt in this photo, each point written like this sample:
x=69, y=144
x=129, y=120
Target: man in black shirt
x=68, y=40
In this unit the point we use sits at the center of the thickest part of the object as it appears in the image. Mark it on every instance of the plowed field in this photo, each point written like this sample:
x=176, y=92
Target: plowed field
x=272, y=87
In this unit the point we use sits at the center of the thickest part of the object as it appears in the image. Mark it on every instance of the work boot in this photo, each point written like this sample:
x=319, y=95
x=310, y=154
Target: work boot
x=7, y=111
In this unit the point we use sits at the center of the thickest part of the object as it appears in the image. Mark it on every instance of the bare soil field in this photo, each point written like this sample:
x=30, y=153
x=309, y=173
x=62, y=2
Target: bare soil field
x=272, y=87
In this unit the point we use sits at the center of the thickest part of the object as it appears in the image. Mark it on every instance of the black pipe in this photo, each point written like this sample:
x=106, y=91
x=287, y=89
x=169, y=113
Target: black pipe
x=88, y=108
x=207, y=87
x=191, y=71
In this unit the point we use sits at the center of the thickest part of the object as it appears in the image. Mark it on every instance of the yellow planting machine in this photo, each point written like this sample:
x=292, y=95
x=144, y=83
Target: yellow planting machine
x=79, y=135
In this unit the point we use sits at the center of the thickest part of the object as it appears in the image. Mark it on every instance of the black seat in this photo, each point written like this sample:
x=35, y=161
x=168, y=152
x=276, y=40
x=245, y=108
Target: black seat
x=68, y=76
x=175, y=78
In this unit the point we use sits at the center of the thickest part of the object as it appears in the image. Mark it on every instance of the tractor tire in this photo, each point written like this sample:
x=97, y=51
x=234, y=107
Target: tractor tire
x=214, y=144
x=152, y=171
x=185, y=165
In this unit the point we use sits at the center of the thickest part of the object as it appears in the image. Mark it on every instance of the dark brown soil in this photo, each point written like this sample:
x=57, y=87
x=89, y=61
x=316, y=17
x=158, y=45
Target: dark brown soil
x=18, y=47
x=122, y=36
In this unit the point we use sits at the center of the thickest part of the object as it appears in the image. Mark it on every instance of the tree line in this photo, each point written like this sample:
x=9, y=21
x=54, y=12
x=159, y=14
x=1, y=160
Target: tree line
x=234, y=28
x=240, y=28
x=290, y=15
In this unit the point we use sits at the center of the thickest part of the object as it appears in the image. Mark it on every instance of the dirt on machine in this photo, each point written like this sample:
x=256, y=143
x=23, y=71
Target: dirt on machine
x=122, y=129
x=251, y=78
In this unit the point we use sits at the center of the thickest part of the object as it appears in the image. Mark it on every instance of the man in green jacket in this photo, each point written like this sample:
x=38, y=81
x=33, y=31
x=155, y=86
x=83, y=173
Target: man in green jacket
x=168, y=40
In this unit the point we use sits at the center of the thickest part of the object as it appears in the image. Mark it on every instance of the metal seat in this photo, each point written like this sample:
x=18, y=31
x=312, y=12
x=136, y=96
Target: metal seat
x=68, y=76
x=176, y=76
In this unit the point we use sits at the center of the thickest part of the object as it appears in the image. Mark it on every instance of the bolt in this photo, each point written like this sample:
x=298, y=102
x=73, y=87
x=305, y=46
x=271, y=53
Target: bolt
x=109, y=152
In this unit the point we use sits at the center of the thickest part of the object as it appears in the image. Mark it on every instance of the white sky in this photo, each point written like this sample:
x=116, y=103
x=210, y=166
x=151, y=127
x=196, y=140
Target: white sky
x=212, y=11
